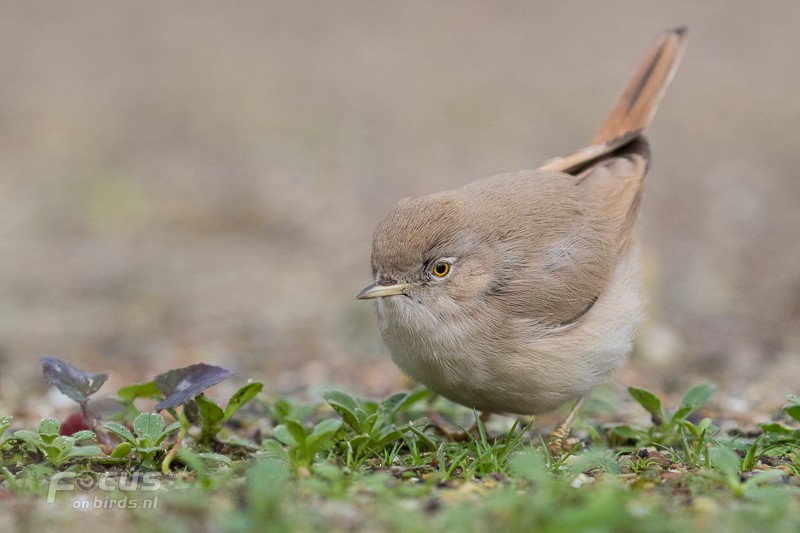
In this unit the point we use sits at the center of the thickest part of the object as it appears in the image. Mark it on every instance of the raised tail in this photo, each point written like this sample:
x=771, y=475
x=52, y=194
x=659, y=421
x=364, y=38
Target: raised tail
x=636, y=107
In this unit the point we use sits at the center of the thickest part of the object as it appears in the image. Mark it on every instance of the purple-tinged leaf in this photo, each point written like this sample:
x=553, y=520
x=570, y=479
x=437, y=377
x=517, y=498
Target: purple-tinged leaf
x=73, y=382
x=182, y=384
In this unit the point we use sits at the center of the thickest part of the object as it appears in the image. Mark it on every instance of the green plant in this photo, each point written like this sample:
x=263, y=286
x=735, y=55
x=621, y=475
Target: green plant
x=145, y=440
x=185, y=386
x=727, y=464
x=777, y=434
x=372, y=424
x=212, y=417
x=696, y=440
x=491, y=456
x=282, y=408
x=303, y=443
x=57, y=448
x=5, y=423
x=776, y=438
x=669, y=430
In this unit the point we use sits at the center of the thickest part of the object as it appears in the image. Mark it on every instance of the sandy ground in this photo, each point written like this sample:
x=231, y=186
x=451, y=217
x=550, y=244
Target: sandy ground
x=184, y=183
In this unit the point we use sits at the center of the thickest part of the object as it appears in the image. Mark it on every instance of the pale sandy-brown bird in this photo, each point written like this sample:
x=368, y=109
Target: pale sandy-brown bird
x=520, y=292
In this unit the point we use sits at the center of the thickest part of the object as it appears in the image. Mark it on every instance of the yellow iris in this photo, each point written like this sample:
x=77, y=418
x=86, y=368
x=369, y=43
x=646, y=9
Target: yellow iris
x=441, y=269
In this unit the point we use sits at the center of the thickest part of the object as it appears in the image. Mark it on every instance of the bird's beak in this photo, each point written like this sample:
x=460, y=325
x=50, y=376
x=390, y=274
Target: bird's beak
x=382, y=288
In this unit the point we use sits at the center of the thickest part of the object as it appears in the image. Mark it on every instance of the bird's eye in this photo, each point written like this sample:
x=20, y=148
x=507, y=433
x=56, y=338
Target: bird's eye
x=441, y=269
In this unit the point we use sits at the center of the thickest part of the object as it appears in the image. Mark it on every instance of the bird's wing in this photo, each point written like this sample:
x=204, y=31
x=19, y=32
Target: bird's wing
x=615, y=182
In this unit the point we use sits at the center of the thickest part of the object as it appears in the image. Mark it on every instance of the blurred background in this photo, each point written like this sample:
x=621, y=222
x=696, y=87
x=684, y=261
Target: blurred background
x=199, y=182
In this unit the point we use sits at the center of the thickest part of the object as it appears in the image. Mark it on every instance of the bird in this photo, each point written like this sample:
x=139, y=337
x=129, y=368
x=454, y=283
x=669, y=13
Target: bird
x=520, y=292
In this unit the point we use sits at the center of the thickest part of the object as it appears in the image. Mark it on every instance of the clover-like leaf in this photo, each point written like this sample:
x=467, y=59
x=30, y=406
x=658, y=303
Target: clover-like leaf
x=183, y=384
x=49, y=427
x=73, y=382
x=84, y=434
x=149, y=425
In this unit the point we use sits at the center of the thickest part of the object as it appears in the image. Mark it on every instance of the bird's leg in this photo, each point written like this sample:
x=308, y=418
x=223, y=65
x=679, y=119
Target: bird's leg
x=557, y=439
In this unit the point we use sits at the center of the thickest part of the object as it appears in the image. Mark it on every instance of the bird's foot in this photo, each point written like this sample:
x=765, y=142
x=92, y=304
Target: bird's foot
x=559, y=442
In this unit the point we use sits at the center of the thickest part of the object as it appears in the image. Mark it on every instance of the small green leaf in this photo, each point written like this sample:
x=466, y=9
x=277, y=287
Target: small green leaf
x=140, y=390
x=725, y=460
x=322, y=432
x=149, y=425
x=531, y=466
x=63, y=442
x=49, y=427
x=341, y=398
x=210, y=412
x=792, y=407
x=415, y=396
x=774, y=427
x=168, y=431
x=389, y=406
x=346, y=406
x=121, y=431
x=241, y=397
x=282, y=434
x=5, y=423
x=359, y=442
x=60, y=449
x=211, y=416
x=84, y=434
x=388, y=436
x=650, y=402
x=764, y=476
x=368, y=422
x=210, y=457
x=29, y=437
x=122, y=450
x=274, y=448
x=693, y=400
x=626, y=433
x=83, y=451
x=363, y=413
x=297, y=430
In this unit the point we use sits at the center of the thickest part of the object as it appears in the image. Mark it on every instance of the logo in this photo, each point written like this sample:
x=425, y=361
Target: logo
x=138, y=489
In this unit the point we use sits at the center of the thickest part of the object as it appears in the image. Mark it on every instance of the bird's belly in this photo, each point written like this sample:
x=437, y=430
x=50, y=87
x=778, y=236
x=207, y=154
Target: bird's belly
x=506, y=374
